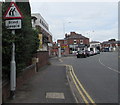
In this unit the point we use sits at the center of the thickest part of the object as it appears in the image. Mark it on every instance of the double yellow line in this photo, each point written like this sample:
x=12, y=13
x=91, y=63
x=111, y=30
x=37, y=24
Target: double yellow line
x=85, y=96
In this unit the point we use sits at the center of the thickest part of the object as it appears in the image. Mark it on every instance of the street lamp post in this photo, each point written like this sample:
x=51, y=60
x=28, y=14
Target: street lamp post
x=90, y=36
x=64, y=27
x=59, y=50
x=64, y=30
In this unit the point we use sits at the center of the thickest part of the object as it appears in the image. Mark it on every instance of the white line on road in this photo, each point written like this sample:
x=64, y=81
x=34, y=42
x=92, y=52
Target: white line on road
x=60, y=60
x=108, y=67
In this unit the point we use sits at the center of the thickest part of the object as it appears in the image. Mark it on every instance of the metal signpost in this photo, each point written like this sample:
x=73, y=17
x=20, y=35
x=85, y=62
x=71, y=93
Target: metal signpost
x=14, y=16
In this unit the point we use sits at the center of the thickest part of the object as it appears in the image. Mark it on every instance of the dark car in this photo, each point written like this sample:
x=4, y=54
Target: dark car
x=87, y=53
x=106, y=50
x=98, y=52
x=81, y=54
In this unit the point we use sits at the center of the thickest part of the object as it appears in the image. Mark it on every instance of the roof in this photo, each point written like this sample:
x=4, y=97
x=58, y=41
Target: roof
x=76, y=36
x=111, y=42
x=61, y=39
x=95, y=42
x=33, y=17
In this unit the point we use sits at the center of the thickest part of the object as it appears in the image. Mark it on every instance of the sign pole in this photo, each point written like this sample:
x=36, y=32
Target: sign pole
x=13, y=70
x=14, y=17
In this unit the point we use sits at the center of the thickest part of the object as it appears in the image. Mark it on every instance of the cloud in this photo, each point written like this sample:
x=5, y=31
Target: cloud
x=105, y=34
x=74, y=1
x=80, y=17
x=101, y=35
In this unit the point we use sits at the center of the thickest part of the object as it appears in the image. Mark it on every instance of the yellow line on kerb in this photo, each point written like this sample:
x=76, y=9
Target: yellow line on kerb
x=81, y=86
x=86, y=102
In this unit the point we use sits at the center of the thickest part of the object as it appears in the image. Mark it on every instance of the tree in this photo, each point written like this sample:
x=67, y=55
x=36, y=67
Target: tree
x=112, y=40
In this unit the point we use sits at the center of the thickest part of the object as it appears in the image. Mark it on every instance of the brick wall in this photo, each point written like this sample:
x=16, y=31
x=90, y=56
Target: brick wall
x=25, y=75
x=43, y=58
x=21, y=78
x=60, y=41
x=71, y=41
x=86, y=41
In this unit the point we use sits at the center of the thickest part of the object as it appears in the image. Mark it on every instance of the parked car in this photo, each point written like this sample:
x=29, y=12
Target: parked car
x=87, y=53
x=92, y=53
x=98, y=52
x=81, y=54
x=106, y=50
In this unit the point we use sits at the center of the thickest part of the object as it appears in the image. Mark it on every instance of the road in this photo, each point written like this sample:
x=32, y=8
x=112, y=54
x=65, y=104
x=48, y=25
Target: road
x=98, y=74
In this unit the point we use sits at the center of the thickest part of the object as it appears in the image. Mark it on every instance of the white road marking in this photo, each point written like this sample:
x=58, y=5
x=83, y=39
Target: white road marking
x=55, y=95
x=108, y=67
x=60, y=60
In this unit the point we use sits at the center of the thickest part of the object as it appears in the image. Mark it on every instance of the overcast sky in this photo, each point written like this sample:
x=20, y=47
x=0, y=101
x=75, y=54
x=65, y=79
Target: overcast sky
x=97, y=20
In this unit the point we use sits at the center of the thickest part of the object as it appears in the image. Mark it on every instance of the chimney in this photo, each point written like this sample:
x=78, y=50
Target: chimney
x=72, y=33
x=66, y=35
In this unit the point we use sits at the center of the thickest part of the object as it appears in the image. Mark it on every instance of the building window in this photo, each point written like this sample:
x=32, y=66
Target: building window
x=75, y=42
x=40, y=20
x=81, y=41
x=43, y=24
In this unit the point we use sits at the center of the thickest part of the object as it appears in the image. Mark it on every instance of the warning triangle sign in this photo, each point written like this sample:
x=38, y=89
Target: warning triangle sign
x=13, y=12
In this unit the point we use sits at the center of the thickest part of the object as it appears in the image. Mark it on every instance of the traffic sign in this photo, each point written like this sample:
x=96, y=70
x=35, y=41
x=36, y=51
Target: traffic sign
x=13, y=12
x=13, y=24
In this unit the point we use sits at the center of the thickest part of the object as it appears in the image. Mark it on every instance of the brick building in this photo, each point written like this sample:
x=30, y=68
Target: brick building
x=55, y=49
x=72, y=42
x=110, y=45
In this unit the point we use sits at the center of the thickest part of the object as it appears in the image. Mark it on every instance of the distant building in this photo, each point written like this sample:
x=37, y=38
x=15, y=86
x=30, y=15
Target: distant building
x=55, y=49
x=72, y=42
x=94, y=46
x=110, y=45
x=45, y=35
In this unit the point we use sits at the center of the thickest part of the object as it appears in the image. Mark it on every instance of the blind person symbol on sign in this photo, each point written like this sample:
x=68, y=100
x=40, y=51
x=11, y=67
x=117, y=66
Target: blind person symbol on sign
x=13, y=12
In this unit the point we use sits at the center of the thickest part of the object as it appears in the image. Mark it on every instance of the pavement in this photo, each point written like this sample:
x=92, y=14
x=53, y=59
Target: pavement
x=48, y=85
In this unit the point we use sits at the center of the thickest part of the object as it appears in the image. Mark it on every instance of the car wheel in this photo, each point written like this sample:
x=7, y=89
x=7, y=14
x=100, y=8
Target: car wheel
x=78, y=56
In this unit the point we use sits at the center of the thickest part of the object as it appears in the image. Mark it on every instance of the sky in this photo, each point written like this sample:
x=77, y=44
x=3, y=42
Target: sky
x=96, y=20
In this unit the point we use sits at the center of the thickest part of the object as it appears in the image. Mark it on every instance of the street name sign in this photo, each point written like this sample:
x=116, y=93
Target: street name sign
x=13, y=12
x=13, y=24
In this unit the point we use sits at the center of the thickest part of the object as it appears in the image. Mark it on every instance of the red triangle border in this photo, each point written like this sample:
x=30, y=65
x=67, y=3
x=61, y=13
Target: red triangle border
x=13, y=17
